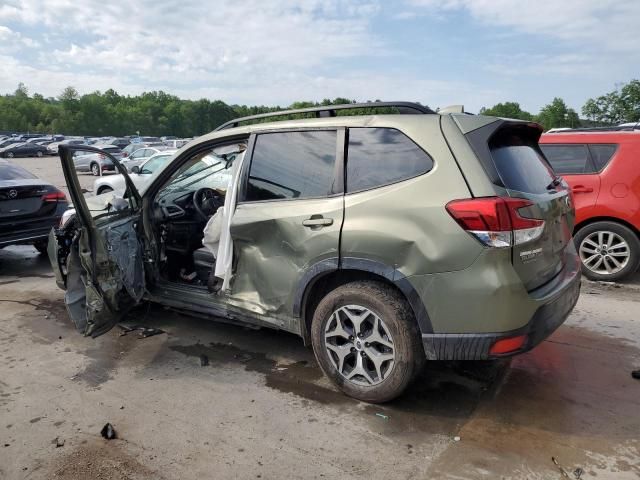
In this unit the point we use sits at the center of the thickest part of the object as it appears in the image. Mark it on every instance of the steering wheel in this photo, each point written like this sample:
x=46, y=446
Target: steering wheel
x=206, y=201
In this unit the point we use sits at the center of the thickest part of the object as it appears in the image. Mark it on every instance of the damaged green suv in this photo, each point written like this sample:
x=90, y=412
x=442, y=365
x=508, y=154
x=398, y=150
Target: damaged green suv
x=382, y=240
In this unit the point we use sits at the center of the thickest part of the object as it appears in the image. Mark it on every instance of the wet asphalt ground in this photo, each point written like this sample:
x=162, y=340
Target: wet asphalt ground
x=261, y=408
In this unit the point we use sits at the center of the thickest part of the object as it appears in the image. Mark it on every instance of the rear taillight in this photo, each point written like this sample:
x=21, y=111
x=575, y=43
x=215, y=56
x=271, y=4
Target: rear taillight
x=496, y=221
x=54, y=196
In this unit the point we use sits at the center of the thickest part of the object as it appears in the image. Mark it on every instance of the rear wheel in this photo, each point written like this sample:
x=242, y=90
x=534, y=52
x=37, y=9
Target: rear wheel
x=9, y=155
x=39, y=153
x=609, y=251
x=366, y=340
x=104, y=190
x=95, y=169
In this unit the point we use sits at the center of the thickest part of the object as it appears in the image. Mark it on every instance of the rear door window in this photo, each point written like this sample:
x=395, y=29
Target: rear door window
x=601, y=154
x=568, y=159
x=519, y=162
x=292, y=165
x=382, y=156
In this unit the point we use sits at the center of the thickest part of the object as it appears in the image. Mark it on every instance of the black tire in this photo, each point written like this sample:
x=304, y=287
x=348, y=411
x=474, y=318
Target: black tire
x=104, y=190
x=41, y=246
x=628, y=235
x=95, y=169
x=392, y=308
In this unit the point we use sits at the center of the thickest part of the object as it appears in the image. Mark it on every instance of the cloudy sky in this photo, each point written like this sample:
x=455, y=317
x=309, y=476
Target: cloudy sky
x=273, y=52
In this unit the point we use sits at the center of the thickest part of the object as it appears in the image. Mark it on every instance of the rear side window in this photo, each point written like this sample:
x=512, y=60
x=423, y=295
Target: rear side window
x=14, y=172
x=601, y=154
x=568, y=159
x=288, y=165
x=519, y=161
x=381, y=156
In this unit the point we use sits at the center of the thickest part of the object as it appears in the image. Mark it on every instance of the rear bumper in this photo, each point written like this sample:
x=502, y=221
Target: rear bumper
x=30, y=231
x=554, y=301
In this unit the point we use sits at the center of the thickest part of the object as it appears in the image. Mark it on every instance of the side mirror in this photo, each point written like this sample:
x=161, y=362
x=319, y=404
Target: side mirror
x=118, y=203
x=135, y=169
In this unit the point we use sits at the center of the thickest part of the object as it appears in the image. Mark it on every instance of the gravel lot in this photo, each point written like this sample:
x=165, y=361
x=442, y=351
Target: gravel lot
x=261, y=408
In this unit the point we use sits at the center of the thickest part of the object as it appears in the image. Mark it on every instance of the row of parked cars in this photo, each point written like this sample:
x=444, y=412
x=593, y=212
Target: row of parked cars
x=370, y=237
x=32, y=145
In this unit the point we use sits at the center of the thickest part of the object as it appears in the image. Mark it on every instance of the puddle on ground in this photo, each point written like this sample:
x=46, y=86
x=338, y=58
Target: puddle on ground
x=443, y=396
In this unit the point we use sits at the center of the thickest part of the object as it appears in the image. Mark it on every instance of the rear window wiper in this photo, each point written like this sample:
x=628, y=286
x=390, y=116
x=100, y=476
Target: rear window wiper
x=556, y=181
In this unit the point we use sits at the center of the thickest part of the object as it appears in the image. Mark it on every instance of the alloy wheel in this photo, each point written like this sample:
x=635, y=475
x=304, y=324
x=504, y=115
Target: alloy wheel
x=604, y=252
x=359, y=345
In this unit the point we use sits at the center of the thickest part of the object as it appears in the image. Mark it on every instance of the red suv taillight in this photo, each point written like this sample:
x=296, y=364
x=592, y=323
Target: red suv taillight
x=495, y=221
x=54, y=196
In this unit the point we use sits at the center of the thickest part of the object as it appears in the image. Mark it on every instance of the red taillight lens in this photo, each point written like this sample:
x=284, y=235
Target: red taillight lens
x=53, y=196
x=508, y=345
x=496, y=221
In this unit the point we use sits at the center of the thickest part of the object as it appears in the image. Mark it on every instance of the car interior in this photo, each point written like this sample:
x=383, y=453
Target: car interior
x=183, y=208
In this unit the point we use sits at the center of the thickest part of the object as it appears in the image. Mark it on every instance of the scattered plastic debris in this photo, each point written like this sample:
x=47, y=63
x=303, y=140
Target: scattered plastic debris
x=382, y=415
x=58, y=442
x=204, y=360
x=578, y=473
x=456, y=439
x=144, y=331
x=562, y=470
x=108, y=432
x=636, y=374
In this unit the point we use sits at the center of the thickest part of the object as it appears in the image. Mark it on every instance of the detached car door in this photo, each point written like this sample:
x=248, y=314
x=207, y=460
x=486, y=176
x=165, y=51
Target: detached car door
x=97, y=255
x=288, y=216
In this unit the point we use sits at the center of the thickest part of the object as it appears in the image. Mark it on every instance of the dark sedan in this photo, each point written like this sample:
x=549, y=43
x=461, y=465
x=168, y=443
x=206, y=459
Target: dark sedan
x=29, y=207
x=25, y=149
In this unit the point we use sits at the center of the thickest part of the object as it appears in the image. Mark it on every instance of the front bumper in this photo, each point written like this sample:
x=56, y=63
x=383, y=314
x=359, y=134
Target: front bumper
x=555, y=302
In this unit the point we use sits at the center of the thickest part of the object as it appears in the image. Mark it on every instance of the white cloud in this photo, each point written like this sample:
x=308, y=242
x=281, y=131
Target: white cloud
x=611, y=24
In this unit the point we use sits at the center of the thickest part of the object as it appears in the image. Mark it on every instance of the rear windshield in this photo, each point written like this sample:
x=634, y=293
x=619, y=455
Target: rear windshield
x=13, y=172
x=519, y=161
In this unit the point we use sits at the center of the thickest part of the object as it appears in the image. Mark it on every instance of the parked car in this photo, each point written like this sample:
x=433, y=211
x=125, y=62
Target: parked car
x=23, y=150
x=132, y=147
x=139, y=156
x=97, y=161
x=52, y=148
x=139, y=176
x=29, y=207
x=118, y=142
x=444, y=236
x=176, y=143
x=9, y=141
x=602, y=169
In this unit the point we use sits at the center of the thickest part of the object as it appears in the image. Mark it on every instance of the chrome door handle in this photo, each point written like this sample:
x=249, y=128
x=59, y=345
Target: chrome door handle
x=317, y=222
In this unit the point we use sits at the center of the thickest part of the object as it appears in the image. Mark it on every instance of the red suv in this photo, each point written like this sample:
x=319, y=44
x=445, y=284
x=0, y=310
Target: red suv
x=603, y=170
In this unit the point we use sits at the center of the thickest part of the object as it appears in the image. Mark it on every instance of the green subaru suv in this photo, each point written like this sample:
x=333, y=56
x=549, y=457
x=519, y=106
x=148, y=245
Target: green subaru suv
x=382, y=239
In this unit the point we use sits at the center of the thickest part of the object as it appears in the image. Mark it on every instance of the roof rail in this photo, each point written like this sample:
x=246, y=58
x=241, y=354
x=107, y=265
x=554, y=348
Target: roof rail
x=626, y=128
x=330, y=111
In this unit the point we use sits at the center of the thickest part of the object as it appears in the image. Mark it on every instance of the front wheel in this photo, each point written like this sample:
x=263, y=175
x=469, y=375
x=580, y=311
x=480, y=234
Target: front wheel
x=95, y=169
x=38, y=154
x=104, y=190
x=9, y=155
x=609, y=251
x=366, y=340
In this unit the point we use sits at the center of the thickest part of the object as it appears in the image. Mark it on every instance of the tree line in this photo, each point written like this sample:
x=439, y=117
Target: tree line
x=159, y=113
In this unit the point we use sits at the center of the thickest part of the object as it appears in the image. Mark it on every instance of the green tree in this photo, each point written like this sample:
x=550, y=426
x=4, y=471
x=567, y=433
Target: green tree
x=618, y=106
x=557, y=114
x=507, y=110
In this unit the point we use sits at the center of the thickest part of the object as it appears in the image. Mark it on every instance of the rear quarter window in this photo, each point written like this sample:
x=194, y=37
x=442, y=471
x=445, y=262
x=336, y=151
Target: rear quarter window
x=382, y=156
x=601, y=154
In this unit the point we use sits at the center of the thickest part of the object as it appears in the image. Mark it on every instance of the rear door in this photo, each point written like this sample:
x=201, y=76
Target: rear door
x=574, y=163
x=100, y=253
x=518, y=169
x=288, y=217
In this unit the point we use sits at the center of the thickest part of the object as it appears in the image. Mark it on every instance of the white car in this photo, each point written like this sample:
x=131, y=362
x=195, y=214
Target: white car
x=138, y=157
x=139, y=174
